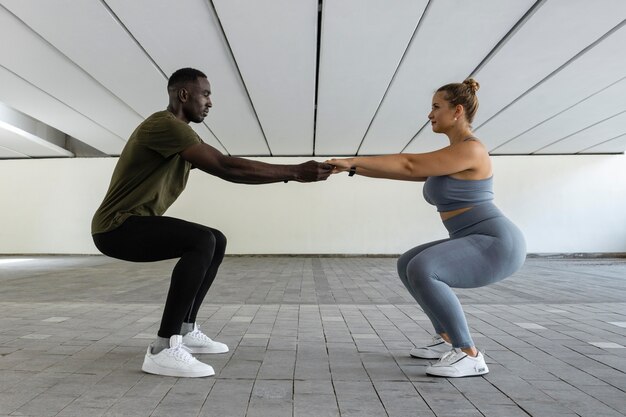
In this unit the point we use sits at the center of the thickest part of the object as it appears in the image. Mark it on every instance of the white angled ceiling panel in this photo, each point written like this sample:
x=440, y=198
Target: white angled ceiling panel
x=592, y=135
x=325, y=78
x=98, y=44
x=362, y=44
x=26, y=143
x=576, y=118
x=112, y=56
x=614, y=145
x=25, y=97
x=552, y=35
x=35, y=60
x=6, y=153
x=28, y=136
x=277, y=65
x=188, y=34
x=563, y=89
x=451, y=40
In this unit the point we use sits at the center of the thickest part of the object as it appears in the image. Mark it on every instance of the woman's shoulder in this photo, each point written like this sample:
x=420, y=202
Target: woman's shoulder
x=471, y=147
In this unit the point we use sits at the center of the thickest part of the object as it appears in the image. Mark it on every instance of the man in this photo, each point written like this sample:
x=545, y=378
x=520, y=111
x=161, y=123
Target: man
x=149, y=176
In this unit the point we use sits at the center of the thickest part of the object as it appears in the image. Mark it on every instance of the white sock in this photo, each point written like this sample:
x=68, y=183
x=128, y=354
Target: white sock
x=159, y=344
x=186, y=328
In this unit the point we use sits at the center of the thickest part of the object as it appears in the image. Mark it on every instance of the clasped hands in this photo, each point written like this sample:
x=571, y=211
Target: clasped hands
x=340, y=165
x=311, y=171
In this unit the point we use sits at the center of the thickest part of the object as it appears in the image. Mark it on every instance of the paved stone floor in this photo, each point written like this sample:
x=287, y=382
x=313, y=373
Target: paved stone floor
x=309, y=337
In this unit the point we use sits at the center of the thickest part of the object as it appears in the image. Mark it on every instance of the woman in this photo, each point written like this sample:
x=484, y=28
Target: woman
x=484, y=246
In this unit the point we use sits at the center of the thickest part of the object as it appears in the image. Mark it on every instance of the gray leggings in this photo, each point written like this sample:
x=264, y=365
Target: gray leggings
x=484, y=247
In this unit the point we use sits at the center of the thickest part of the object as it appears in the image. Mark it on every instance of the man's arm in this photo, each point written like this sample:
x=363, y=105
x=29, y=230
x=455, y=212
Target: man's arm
x=246, y=171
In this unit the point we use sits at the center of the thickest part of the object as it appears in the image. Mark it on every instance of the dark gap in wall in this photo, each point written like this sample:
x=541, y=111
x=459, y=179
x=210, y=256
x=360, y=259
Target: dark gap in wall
x=317, y=69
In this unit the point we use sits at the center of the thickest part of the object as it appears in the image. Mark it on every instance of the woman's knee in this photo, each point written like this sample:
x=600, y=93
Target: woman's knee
x=402, y=264
x=420, y=272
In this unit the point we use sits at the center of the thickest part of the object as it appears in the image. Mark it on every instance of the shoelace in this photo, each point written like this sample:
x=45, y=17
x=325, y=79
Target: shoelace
x=180, y=353
x=436, y=340
x=450, y=356
x=197, y=334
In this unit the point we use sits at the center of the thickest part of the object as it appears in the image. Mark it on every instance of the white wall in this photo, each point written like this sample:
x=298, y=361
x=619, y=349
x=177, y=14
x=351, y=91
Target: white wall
x=563, y=204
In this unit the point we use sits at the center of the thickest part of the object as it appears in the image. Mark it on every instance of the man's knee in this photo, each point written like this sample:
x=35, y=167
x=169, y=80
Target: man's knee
x=213, y=243
x=205, y=242
x=220, y=239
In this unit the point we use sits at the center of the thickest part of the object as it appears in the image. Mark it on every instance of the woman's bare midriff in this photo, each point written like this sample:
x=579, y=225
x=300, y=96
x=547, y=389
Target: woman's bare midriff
x=445, y=215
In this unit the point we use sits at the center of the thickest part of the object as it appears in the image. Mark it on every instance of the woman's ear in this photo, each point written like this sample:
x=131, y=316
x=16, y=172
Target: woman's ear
x=459, y=111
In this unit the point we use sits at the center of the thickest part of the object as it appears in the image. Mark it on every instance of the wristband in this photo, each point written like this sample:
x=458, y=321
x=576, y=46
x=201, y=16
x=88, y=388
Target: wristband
x=352, y=171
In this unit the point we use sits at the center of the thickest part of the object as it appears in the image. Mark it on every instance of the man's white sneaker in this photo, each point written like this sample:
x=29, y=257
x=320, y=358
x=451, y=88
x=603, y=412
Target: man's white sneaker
x=197, y=342
x=175, y=361
x=457, y=363
x=433, y=351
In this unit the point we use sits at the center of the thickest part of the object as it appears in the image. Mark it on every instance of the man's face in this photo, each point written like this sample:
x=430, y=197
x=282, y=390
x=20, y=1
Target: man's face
x=196, y=106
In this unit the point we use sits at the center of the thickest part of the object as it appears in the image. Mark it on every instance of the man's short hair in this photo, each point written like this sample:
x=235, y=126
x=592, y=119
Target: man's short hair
x=184, y=75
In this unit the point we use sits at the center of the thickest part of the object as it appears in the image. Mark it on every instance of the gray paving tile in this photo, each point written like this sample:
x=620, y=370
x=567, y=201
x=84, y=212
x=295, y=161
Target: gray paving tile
x=228, y=398
x=278, y=364
x=315, y=399
x=313, y=337
x=444, y=399
x=312, y=362
x=345, y=363
x=401, y=399
x=185, y=398
x=358, y=398
x=46, y=404
x=271, y=398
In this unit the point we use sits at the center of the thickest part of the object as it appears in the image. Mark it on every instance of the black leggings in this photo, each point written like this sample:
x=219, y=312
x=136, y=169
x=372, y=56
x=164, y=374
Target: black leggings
x=155, y=238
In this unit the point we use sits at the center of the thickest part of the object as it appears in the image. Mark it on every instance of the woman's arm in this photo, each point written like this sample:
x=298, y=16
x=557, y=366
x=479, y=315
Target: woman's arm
x=378, y=174
x=417, y=167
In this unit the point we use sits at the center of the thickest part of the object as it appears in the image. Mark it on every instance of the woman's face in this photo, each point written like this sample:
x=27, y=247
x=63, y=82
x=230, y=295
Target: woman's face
x=442, y=114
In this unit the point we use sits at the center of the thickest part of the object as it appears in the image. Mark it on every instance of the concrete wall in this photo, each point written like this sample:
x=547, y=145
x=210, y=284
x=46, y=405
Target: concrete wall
x=564, y=204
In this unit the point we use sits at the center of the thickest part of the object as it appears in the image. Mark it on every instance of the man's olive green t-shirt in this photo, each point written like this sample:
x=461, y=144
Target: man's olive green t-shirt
x=150, y=174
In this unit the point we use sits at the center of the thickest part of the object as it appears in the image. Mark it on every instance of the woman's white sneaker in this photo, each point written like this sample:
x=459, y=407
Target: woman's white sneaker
x=197, y=342
x=433, y=351
x=175, y=361
x=456, y=364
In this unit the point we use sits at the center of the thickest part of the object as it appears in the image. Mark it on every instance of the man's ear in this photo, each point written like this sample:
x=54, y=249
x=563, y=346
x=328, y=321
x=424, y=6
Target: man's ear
x=183, y=94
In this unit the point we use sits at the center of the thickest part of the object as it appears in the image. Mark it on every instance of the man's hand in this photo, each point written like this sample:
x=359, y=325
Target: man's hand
x=312, y=171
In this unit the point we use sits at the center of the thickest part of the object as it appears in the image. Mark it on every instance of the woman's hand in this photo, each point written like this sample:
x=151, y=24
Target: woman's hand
x=340, y=165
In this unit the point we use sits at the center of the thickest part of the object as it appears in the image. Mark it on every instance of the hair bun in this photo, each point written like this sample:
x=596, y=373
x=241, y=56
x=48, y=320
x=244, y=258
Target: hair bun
x=472, y=84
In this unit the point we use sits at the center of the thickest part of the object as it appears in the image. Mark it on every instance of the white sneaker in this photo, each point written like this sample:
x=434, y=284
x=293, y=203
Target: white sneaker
x=433, y=351
x=197, y=342
x=175, y=361
x=457, y=363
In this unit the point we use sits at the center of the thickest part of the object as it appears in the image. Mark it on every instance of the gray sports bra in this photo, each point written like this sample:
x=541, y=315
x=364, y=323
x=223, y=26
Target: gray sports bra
x=449, y=193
